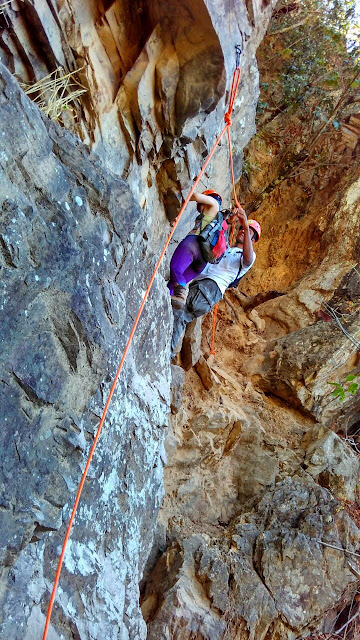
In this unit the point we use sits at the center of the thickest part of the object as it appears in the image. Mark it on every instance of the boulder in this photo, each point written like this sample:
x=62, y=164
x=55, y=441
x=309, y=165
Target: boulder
x=181, y=607
x=206, y=374
x=258, y=574
x=291, y=555
x=332, y=463
x=301, y=366
x=177, y=384
x=191, y=344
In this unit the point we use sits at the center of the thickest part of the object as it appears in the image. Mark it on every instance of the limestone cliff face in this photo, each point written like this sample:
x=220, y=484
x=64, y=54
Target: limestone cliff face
x=80, y=231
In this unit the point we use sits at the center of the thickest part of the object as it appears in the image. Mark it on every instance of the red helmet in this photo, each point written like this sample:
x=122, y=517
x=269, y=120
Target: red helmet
x=214, y=194
x=255, y=226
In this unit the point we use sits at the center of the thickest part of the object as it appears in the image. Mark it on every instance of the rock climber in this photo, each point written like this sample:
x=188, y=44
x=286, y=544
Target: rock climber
x=209, y=287
x=187, y=261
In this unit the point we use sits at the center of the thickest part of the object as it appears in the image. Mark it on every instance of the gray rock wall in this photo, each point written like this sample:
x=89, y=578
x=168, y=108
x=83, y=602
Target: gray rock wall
x=252, y=519
x=249, y=581
x=74, y=264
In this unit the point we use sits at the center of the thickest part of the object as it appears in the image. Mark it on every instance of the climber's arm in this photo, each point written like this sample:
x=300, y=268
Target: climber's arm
x=210, y=203
x=248, y=251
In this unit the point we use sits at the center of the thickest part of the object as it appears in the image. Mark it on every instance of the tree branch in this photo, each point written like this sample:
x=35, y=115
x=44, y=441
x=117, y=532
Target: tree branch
x=337, y=548
x=293, y=26
x=232, y=307
x=335, y=111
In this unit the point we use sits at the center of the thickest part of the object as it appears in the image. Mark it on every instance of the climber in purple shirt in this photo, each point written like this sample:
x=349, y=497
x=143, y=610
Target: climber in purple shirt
x=187, y=261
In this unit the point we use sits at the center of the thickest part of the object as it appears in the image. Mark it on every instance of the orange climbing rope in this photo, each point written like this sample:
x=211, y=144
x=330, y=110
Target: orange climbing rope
x=234, y=88
x=215, y=311
x=237, y=203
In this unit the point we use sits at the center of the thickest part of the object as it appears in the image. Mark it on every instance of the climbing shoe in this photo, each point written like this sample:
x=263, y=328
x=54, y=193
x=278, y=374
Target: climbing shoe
x=179, y=298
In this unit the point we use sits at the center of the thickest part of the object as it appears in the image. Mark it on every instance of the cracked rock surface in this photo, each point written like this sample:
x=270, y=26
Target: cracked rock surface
x=69, y=294
x=157, y=75
x=251, y=576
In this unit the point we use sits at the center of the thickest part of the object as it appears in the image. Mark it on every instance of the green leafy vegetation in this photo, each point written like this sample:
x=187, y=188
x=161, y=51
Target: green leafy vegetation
x=310, y=70
x=317, y=45
x=350, y=388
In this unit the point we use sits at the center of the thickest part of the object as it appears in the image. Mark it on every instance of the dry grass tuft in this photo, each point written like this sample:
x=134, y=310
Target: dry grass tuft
x=4, y=5
x=56, y=92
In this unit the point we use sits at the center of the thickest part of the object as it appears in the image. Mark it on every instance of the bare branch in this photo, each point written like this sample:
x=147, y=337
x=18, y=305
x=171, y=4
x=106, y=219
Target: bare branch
x=348, y=622
x=293, y=26
x=232, y=307
x=337, y=548
x=335, y=110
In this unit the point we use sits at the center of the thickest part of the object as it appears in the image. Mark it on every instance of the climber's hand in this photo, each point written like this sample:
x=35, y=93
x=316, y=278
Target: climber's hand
x=241, y=216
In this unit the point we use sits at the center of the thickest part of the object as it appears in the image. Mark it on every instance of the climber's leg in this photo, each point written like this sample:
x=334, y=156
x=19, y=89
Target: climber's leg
x=202, y=296
x=187, y=252
x=194, y=270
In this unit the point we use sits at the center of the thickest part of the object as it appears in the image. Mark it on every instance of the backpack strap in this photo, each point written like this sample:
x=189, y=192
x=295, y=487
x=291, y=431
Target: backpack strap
x=198, y=221
x=209, y=229
x=241, y=265
x=220, y=218
x=235, y=282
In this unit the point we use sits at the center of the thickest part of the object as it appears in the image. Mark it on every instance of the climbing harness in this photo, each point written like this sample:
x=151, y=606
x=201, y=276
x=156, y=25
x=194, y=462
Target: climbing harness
x=228, y=122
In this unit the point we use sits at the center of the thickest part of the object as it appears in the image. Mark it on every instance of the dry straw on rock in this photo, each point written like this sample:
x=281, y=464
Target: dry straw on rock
x=5, y=4
x=56, y=92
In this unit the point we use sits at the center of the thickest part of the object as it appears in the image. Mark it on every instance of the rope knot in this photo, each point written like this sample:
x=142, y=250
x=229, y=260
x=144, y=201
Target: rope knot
x=227, y=118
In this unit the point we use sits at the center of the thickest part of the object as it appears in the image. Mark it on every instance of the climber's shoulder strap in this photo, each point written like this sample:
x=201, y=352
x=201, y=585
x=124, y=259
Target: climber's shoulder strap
x=198, y=222
x=235, y=282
